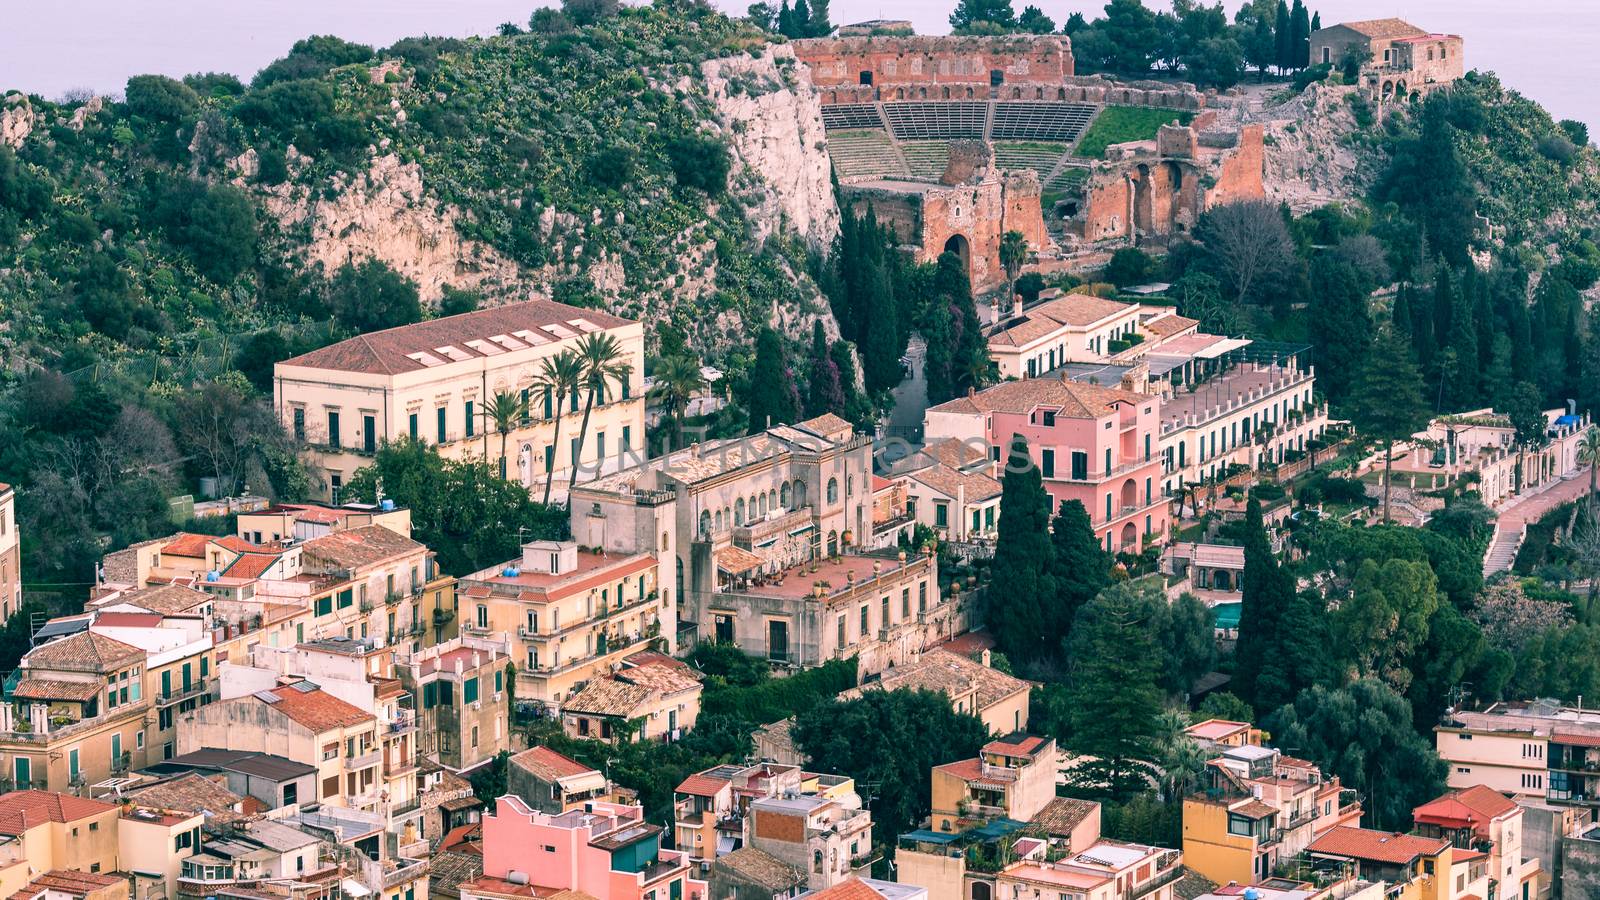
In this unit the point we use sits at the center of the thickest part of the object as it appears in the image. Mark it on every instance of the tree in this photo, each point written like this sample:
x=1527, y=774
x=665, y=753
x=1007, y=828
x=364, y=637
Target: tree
x=969, y=362
x=1387, y=403
x=1385, y=620
x=1363, y=734
x=824, y=392
x=1341, y=328
x=1224, y=705
x=1300, y=36
x=1260, y=48
x=1589, y=455
x=699, y=162
x=1527, y=422
x=771, y=394
x=1260, y=664
x=1034, y=21
x=588, y=12
x=370, y=296
x=157, y=98
x=468, y=514
x=455, y=301
x=677, y=380
x=1129, y=266
x=889, y=739
x=505, y=410
x=215, y=226
x=222, y=424
x=1134, y=35
x=1115, y=703
x=1249, y=241
x=1022, y=592
x=1013, y=253
x=310, y=58
x=1283, y=32
x=1430, y=183
x=1187, y=637
x=559, y=377
x=1216, y=62
x=603, y=362
x=1081, y=566
x=971, y=13
x=937, y=368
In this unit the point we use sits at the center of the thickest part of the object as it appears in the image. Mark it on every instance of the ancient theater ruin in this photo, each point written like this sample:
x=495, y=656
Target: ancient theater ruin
x=956, y=140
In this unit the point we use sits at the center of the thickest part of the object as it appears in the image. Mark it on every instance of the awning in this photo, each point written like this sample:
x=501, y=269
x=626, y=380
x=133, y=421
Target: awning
x=460, y=804
x=801, y=530
x=1226, y=345
x=736, y=560
x=354, y=888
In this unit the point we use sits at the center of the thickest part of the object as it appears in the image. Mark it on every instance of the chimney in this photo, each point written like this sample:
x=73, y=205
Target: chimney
x=1016, y=304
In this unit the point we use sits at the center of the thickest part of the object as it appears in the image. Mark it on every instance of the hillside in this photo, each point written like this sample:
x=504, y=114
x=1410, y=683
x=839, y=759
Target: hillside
x=624, y=164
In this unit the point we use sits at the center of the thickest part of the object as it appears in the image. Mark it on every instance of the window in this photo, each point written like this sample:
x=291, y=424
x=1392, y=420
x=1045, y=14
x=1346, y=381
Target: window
x=369, y=434
x=599, y=445
x=1047, y=463
x=905, y=603
x=1239, y=825
x=1080, y=466
x=439, y=416
x=499, y=682
x=411, y=426
x=576, y=450
x=941, y=514
x=346, y=598
x=116, y=747
x=839, y=638
x=627, y=438
x=469, y=691
x=866, y=620
x=833, y=490
x=483, y=616
x=471, y=425
x=299, y=423
x=72, y=763
x=324, y=607
x=884, y=612
x=1049, y=416
x=1108, y=460
x=549, y=404
x=333, y=428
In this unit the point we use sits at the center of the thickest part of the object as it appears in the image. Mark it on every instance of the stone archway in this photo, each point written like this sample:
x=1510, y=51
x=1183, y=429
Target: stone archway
x=1130, y=538
x=960, y=246
x=1143, y=201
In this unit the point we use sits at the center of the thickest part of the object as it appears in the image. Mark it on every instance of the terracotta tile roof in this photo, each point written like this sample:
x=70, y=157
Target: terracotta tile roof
x=1254, y=809
x=1378, y=846
x=386, y=352
x=128, y=620
x=736, y=560
x=826, y=425
x=608, y=697
x=1192, y=884
x=448, y=869
x=188, y=545
x=956, y=453
x=702, y=785
x=951, y=673
x=762, y=868
x=191, y=793
x=52, y=689
x=1167, y=326
x=549, y=765
x=21, y=810
x=851, y=888
x=84, y=652
x=1476, y=805
x=969, y=645
x=952, y=482
x=357, y=547
x=1075, y=400
x=68, y=881
x=1061, y=815
x=166, y=599
x=1068, y=311
x=666, y=679
x=316, y=709
x=251, y=565
x=1015, y=745
x=1384, y=28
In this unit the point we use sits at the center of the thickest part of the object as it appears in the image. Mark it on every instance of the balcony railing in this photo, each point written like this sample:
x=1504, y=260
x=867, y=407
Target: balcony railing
x=1160, y=880
x=365, y=760
x=167, y=698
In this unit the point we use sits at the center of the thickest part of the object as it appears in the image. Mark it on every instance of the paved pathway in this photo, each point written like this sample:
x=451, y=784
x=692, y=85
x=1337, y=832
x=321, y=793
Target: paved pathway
x=1514, y=517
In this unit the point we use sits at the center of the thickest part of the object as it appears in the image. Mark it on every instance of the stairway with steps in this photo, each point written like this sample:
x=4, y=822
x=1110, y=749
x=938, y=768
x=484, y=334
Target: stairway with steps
x=926, y=160
x=867, y=153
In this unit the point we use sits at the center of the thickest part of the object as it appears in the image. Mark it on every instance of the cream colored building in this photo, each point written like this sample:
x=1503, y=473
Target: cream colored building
x=1079, y=328
x=1527, y=749
x=432, y=381
x=1012, y=777
x=41, y=831
x=153, y=843
x=10, y=555
x=656, y=701
x=973, y=687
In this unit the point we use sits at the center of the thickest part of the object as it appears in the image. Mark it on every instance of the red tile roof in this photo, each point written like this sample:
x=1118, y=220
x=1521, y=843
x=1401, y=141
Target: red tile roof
x=67, y=881
x=702, y=785
x=128, y=620
x=187, y=545
x=851, y=888
x=21, y=810
x=1475, y=805
x=1378, y=846
x=251, y=565
x=387, y=352
x=1015, y=745
x=54, y=689
x=85, y=651
x=548, y=764
x=317, y=709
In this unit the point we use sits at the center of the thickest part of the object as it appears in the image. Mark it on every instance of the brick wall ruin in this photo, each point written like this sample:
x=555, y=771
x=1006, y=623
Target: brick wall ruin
x=1156, y=188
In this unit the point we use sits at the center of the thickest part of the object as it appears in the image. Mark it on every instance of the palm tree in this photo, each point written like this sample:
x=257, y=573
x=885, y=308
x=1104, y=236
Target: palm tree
x=677, y=380
x=602, y=359
x=505, y=410
x=1589, y=454
x=559, y=377
x=1013, y=253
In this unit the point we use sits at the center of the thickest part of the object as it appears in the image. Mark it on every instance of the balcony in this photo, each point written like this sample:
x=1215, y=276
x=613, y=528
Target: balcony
x=364, y=761
x=168, y=698
x=403, y=722
x=1161, y=879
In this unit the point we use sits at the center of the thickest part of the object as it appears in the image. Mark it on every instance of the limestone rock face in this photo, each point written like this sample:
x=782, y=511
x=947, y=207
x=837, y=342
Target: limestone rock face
x=385, y=214
x=1310, y=160
x=16, y=120
x=82, y=113
x=768, y=112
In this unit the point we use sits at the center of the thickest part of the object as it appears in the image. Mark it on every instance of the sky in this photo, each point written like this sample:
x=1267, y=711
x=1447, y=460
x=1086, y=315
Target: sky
x=1543, y=48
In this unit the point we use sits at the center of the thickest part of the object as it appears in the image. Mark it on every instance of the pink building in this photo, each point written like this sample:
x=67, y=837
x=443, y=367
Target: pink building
x=1093, y=444
x=605, y=850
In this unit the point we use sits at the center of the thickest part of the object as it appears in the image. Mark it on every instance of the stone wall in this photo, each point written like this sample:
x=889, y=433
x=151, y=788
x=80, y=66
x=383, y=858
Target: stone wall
x=937, y=60
x=1153, y=189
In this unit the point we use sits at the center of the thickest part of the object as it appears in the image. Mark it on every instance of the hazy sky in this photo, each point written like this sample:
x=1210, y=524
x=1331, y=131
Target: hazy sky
x=1544, y=48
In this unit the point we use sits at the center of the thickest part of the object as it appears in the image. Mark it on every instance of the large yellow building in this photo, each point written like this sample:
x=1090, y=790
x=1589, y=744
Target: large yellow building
x=433, y=381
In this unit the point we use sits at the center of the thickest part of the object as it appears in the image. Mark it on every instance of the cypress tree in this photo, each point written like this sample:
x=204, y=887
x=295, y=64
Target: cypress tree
x=1113, y=693
x=969, y=360
x=1283, y=35
x=819, y=26
x=771, y=393
x=936, y=368
x=1082, y=567
x=824, y=388
x=1316, y=22
x=857, y=409
x=1023, y=583
x=1268, y=592
x=1301, y=27
x=785, y=20
x=1387, y=402
x=1462, y=390
x=801, y=20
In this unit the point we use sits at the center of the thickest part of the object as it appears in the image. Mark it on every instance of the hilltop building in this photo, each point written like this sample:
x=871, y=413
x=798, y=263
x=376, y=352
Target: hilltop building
x=1397, y=61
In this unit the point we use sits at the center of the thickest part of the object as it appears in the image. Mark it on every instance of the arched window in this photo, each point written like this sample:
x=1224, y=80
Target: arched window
x=833, y=543
x=783, y=495
x=833, y=490
x=799, y=494
x=738, y=512
x=719, y=522
x=762, y=500
x=772, y=500
x=705, y=523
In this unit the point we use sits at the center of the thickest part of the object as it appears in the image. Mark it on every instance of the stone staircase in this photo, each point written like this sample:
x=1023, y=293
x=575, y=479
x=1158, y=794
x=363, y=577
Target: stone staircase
x=1503, y=550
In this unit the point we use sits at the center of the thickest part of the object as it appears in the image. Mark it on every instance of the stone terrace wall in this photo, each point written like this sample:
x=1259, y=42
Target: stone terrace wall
x=927, y=59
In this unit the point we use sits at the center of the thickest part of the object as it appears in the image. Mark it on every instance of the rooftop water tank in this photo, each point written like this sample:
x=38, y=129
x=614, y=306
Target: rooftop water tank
x=386, y=505
x=213, y=575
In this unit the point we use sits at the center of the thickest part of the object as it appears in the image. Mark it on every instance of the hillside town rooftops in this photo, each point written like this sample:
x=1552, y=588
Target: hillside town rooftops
x=367, y=545
x=85, y=651
x=22, y=810
x=477, y=335
x=549, y=765
x=1376, y=846
x=308, y=705
x=1073, y=399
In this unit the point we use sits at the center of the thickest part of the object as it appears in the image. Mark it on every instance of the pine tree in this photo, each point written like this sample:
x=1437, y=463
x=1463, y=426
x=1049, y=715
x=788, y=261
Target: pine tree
x=1300, y=50
x=1081, y=565
x=1023, y=582
x=1115, y=702
x=771, y=393
x=1387, y=403
x=1284, y=38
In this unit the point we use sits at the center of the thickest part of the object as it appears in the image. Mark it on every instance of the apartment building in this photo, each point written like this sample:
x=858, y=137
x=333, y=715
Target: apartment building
x=1258, y=807
x=177, y=671
x=433, y=381
x=275, y=781
x=1526, y=749
x=43, y=831
x=1219, y=734
x=152, y=843
x=553, y=783
x=459, y=691
x=751, y=874
x=605, y=850
x=1486, y=829
x=67, y=884
x=711, y=809
x=973, y=686
x=1412, y=866
x=1228, y=412
x=657, y=700
x=951, y=488
x=287, y=522
x=1060, y=329
x=827, y=836
x=255, y=853
x=1093, y=444
x=571, y=613
x=937, y=861
x=1012, y=778
x=10, y=554
x=1108, y=870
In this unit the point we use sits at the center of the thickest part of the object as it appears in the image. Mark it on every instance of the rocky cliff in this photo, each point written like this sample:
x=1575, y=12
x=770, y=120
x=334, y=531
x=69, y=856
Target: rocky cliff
x=1316, y=150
